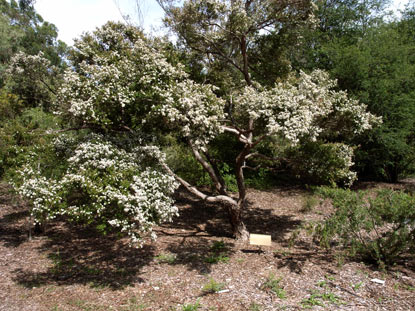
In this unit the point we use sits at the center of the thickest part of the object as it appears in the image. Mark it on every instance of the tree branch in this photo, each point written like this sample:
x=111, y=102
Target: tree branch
x=242, y=138
x=211, y=199
x=220, y=187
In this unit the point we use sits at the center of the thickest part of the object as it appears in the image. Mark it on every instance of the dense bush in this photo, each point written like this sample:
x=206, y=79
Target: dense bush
x=322, y=163
x=23, y=134
x=112, y=188
x=378, y=228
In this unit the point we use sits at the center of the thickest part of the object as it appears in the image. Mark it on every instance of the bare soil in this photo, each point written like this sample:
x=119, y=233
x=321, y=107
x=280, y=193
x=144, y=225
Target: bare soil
x=74, y=268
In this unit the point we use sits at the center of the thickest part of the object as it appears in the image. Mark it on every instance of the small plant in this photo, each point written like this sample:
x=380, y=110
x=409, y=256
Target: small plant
x=212, y=287
x=191, y=307
x=217, y=258
x=219, y=254
x=312, y=301
x=273, y=284
x=166, y=258
x=254, y=307
x=317, y=298
x=357, y=286
x=309, y=202
x=218, y=246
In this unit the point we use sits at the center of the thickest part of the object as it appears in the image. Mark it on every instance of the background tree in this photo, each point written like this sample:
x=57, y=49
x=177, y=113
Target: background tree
x=28, y=33
x=31, y=62
x=375, y=65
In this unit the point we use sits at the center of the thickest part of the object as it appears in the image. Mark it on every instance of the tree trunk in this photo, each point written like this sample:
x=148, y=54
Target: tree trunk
x=238, y=227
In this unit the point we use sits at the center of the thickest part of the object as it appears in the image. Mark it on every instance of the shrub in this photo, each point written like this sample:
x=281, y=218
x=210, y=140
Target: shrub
x=378, y=228
x=323, y=163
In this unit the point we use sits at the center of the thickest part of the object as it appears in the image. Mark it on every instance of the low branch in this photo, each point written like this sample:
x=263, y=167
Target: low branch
x=242, y=138
x=262, y=156
x=193, y=190
x=220, y=187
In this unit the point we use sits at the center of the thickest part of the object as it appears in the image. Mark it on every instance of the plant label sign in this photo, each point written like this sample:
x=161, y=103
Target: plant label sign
x=259, y=239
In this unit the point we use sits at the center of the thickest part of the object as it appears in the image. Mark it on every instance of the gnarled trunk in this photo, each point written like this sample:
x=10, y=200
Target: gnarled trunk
x=239, y=230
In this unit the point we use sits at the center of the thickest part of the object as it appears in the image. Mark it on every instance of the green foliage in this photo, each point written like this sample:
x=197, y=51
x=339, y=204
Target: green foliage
x=191, y=307
x=216, y=258
x=309, y=202
x=212, y=287
x=318, y=298
x=218, y=253
x=218, y=246
x=183, y=163
x=322, y=163
x=166, y=258
x=374, y=61
x=255, y=307
x=376, y=228
x=21, y=136
x=10, y=105
x=273, y=284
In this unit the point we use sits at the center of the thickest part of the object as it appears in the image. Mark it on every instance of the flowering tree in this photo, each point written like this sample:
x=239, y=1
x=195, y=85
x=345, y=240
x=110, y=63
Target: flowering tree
x=121, y=87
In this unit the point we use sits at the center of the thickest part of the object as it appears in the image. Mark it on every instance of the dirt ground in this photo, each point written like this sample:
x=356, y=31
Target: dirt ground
x=74, y=268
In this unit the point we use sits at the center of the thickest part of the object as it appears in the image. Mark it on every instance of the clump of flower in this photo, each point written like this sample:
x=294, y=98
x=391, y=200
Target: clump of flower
x=106, y=186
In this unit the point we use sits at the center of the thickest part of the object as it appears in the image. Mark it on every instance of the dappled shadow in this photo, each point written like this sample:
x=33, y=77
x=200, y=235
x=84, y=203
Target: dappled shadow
x=201, y=218
x=82, y=256
x=295, y=261
x=13, y=224
x=200, y=254
x=264, y=222
x=10, y=234
x=200, y=225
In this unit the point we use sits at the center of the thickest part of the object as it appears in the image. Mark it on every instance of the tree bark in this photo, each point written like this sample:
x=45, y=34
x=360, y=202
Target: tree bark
x=239, y=230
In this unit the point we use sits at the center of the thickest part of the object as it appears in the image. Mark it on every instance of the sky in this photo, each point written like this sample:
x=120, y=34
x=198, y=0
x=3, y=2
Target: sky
x=73, y=17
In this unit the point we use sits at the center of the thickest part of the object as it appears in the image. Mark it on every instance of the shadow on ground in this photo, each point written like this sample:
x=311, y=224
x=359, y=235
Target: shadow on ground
x=80, y=255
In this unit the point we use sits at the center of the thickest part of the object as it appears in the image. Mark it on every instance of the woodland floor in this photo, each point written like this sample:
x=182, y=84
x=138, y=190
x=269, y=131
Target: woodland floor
x=73, y=268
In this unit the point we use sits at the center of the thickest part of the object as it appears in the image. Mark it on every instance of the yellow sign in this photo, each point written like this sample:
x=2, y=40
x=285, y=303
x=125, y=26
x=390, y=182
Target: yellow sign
x=260, y=239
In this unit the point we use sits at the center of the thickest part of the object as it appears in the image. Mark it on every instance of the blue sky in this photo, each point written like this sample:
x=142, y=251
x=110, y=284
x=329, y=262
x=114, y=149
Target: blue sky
x=73, y=17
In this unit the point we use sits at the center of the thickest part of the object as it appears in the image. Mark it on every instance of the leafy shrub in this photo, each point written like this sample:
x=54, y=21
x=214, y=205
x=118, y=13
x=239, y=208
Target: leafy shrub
x=378, y=228
x=184, y=164
x=323, y=163
x=10, y=105
x=21, y=136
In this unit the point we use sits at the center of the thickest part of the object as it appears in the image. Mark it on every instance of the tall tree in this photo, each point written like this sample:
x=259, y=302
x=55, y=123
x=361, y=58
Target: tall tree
x=26, y=32
x=232, y=32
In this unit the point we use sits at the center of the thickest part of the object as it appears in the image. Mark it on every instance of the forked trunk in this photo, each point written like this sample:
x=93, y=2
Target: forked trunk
x=238, y=227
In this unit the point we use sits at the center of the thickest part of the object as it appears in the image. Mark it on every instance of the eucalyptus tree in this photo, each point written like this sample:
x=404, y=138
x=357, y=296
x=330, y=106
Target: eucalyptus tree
x=230, y=32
